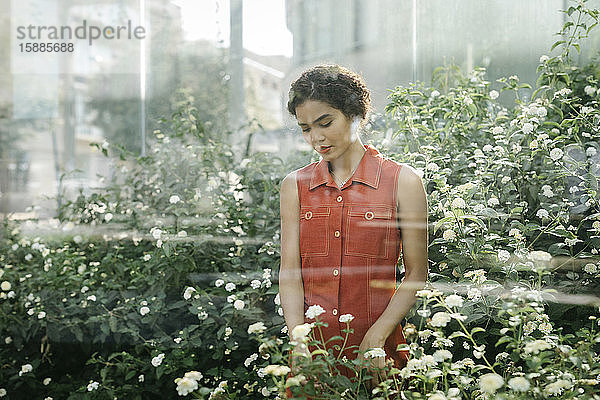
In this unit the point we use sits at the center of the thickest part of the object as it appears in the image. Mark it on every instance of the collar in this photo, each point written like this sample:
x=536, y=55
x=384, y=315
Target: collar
x=368, y=171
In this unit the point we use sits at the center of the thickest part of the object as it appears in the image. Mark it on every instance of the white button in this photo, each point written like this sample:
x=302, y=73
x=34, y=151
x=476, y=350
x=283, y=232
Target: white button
x=334, y=311
x=336, y=233
x=369, y=215
x=336, y=272
x=339, y=199
x=308, y=215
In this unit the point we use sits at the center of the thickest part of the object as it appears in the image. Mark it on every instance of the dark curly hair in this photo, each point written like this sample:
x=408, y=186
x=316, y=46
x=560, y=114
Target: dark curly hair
x=335, y=85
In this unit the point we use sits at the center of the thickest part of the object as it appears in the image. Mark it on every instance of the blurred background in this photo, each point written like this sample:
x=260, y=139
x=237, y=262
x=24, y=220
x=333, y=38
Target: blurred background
x=235, y=60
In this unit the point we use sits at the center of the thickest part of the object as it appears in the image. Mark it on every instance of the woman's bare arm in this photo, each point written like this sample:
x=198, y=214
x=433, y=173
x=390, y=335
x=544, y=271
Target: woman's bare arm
x=291, y=288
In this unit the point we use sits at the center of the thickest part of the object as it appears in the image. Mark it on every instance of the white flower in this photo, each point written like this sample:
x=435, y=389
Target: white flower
x=219, y=282
x=541, y=112
x=255, y=284
x=231, y=298
x=141, y=378
x=108, y=217
x=498, y=130
x=494, y=94
x=3, y=392
x=474, y=294
x=535, y=346
x=591, y=151
x=277, y=300
x=435, y=93
x=493, y=201
x=556, y=154
x=253, y=357
x=346, y=318
x=177, y=340
x=93, y=385
x=147, y=257
x=47, y=381
x=503, y=256
x=188, y=292
x=375, y=352
x=41, y=315
x=458, y=203
x=8, y=340
x=238, y=304
x=586, y=110
x=488, y=148
x=468, y=101
x=156, y=361
x=454, y=300
x=491, y=382
x=442, y=354
x=182, y=234
x=26, y=368
x=314, y=311
x=229, y=287
x=258, y=327
x=174, y=199
x=542, y=213
x=544, y=59
x=527, y=128
x=589, y=90
x=449, y=235
x=440, y=319
x=156, y=233
x=590, y=268
x=186, y=386
x=28, y=257
x=533, y=144
x=276, y=370
x=144, y=310
x=5, y=286
x=557, y=387
x=91, y=297
x=301, y=331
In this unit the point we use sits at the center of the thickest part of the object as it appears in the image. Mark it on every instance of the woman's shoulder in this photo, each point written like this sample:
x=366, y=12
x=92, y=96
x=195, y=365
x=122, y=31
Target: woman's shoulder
x=300, y=174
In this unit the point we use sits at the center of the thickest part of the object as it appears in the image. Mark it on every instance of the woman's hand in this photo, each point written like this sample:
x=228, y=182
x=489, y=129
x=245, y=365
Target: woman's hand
x=300, y=353
x=374, y=338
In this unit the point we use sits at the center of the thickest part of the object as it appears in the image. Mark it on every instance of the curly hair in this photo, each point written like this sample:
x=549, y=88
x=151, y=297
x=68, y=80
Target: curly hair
x=335, y=85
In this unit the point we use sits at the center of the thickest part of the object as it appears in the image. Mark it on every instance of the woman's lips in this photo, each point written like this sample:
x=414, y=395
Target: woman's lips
x=324, y=149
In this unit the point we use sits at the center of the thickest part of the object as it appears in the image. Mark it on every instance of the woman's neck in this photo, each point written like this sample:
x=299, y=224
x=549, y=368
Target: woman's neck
x=347, y=162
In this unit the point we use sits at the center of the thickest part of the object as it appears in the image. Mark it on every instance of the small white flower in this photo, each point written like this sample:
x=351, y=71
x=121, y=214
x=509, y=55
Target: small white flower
x=541, y=213
x=255, y=284
x=441, y=355
x=26, y=368
x=147, y=257
x=238, y=304
x=231, y=298
x=474, y=294
x=46, y=381
x=589, y=90
x=276, y=370
x=591, y=151
x=590, y=268
x=230, y=286
x=186, y=385
x=188, y=292
x=8, y=340
x=300, y=332
x=556, y=154
x=28, y=257
x=41, y=315
x=449, y=235
x=468, y=101
x=458, y=203
x=314, y=311
x=503, y=256
x=534, y=347
x=527, y=128
x=544, y=59
x=346, y=318
x=156, y=233
x=5, y=286
x=277, y=299
x=144, y=310
x=440, y=319
x=219, y=282
x=141, y=378
x=93, y=385
x=454, y=300
x=182, y=234
x=494, y=94
x=498, y=130
x=108, y=217
x=253, y=357
x=258, y=327
x=156, y=361
x=3, y=392
x=435, y=93
x=91, y=297
x=174, y=199
x=491, y=382
x=375, y=352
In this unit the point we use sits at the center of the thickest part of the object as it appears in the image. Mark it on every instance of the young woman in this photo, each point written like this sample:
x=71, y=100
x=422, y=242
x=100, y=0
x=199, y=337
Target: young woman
x=345, y=219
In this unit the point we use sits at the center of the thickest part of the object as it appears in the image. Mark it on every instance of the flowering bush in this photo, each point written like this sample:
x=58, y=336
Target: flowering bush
x=160, y=284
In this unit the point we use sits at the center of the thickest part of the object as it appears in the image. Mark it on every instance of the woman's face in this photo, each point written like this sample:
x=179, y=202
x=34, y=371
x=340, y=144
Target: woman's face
x=326, y=129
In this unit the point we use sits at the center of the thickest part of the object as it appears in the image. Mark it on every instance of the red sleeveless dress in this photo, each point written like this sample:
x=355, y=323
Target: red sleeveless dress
x=349, y=247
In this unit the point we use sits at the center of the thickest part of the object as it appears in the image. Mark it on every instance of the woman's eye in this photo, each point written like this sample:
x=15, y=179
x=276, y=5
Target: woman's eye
x=305, y=130
x=326, y=124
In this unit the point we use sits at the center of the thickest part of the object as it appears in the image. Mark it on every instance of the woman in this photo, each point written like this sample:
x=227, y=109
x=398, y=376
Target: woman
x=345, y=219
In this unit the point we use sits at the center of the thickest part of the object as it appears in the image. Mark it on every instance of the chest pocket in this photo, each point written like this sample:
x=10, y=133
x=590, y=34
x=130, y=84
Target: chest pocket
x=314, y=231
x=368, y=231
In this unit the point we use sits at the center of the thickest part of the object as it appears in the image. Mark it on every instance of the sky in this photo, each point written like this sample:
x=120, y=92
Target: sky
x=265, y=30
